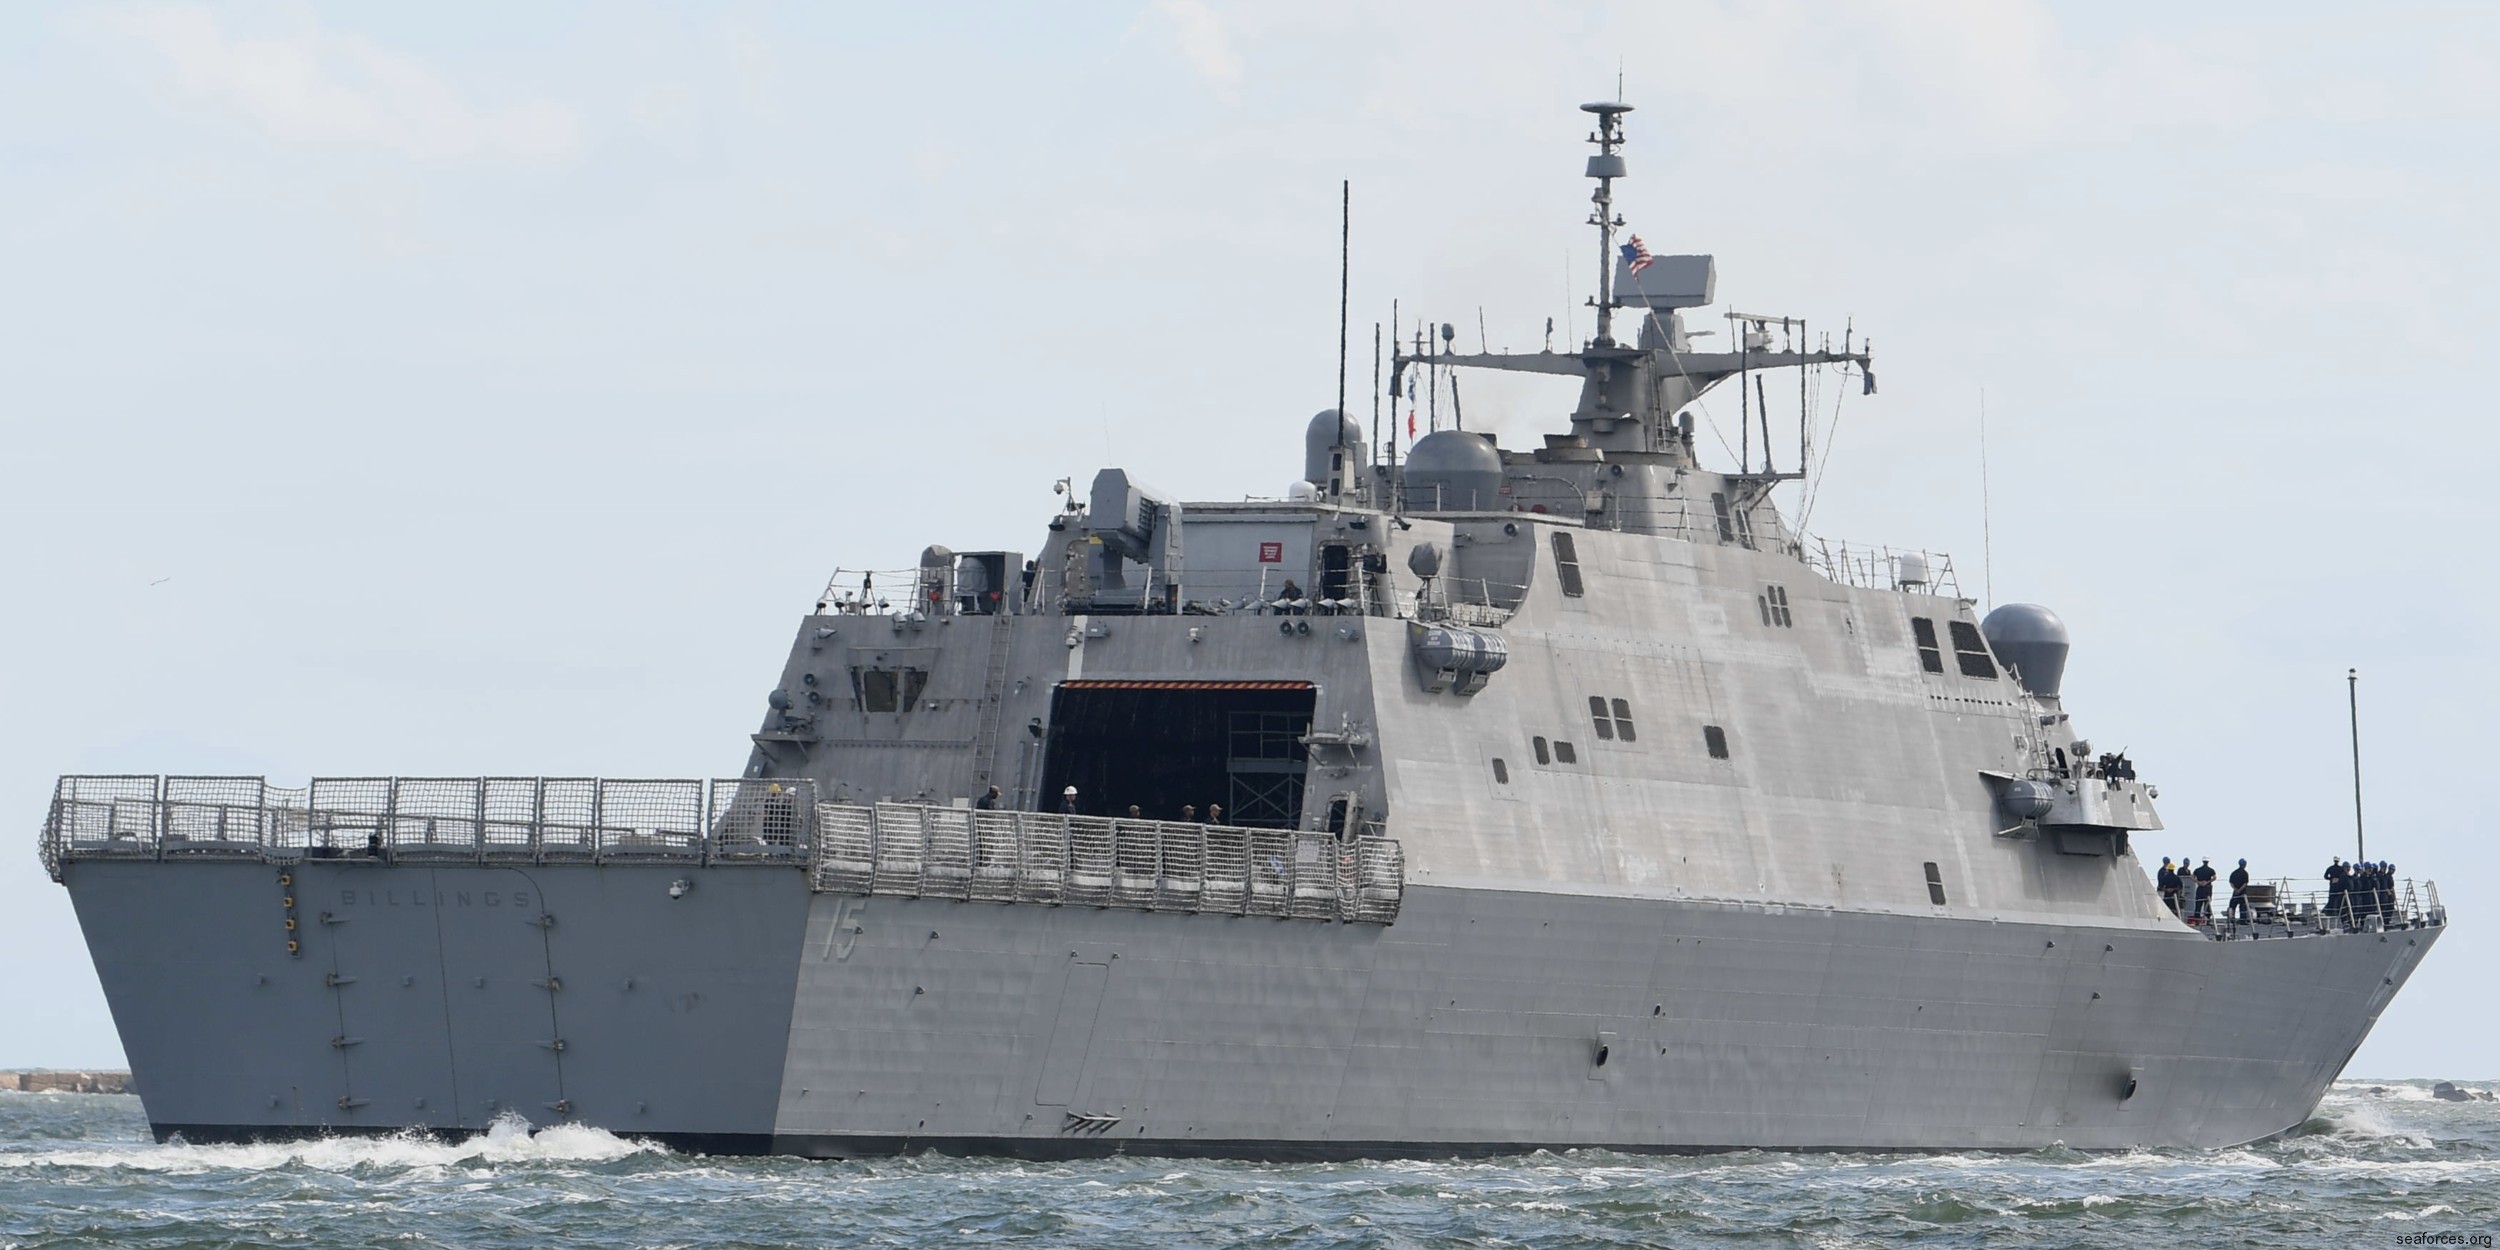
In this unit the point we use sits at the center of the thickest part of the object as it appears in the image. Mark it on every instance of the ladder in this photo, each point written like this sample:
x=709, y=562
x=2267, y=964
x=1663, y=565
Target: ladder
x=993, y=700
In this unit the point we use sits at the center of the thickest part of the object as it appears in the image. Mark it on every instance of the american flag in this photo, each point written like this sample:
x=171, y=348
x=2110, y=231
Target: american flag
x=1636, y=255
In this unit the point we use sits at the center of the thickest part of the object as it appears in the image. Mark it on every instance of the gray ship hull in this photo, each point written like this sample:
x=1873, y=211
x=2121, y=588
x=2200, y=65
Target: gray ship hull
x=753, y=1015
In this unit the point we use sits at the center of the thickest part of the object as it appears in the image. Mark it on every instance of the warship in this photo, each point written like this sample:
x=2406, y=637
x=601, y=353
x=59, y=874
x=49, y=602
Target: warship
x=1466, y=799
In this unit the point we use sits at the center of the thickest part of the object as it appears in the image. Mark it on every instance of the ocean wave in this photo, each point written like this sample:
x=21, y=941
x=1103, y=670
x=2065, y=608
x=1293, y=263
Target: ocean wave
x=2405, y=1089
x=2377, y=1091
x=509, y=1140
x=2342, y=1121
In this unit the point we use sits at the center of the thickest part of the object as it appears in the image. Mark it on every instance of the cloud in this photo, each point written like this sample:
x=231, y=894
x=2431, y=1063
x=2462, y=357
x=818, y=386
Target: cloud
x=1204, y=42
x=321, y=88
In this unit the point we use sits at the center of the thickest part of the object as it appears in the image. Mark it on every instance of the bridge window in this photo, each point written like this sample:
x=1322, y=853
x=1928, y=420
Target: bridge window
x=1935, y=884
x=888, y=689
x=1613, y=722
x=1774, y=603
x=1715, y=738
x=1971, y=651
x=1727, y=523
x=1930, y=656
x=1567, y=565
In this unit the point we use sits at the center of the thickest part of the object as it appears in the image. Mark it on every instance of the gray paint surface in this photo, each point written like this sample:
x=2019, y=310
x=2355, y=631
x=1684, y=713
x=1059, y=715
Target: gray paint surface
x=1476, y=1018
x=1472, y=1023
x=1772, y=883
x=421, y=996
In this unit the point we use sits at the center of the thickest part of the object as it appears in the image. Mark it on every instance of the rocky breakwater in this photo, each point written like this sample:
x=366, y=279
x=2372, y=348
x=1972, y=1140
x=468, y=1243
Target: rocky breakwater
x=47, y=1080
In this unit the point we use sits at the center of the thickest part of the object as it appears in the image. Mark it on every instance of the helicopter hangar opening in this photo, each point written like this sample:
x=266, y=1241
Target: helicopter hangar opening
x=1164, y=745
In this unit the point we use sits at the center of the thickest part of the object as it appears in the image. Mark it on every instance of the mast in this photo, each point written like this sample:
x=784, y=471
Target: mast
x=2352, y=689
x=1629, y=391
x=1345, y=273
x=1605, y=167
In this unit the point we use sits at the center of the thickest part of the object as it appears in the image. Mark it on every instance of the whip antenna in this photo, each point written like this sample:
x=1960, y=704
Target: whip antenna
x=2352, y=687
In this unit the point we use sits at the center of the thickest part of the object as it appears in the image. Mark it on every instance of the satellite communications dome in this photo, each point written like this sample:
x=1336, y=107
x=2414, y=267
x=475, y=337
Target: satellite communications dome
x=1453, y=471
x=2031, y=641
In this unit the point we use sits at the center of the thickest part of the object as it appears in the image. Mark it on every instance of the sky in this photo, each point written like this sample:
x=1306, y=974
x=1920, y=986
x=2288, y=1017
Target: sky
x=461, y=389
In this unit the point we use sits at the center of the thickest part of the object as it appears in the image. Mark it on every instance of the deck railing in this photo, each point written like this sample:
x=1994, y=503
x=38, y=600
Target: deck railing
x=1878, y=567
x=2275, y=909
x=920, y=851
x=906, y=849
x=433, y=819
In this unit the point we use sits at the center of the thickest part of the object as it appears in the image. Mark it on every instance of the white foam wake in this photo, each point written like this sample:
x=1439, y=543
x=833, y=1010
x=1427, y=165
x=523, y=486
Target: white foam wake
x=508, y=1140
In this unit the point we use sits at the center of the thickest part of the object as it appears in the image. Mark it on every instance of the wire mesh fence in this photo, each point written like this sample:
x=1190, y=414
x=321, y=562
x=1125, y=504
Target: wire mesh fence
x=907, y=849
x=918, y=851
x=439, y=819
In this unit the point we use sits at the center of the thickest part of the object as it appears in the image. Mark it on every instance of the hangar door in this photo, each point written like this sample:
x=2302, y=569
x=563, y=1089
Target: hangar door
x=1163, y=745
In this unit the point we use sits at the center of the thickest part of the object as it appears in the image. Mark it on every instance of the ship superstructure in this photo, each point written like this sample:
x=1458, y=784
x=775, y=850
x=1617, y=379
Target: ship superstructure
x=1465, y=799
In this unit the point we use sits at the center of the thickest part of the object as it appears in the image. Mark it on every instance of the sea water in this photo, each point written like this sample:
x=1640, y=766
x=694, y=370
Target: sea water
x=2382, y=1164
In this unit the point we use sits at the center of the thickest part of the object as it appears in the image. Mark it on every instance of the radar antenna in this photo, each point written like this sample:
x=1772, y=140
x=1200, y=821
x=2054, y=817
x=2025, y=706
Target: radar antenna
x=1630, y=391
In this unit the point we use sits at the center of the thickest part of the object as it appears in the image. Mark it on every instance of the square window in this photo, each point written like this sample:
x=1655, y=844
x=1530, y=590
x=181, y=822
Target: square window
x=1623, y=720
x=1971, y=651
x=1716, y=739
x=877, y=689
x=1563, y=754
x=1604, y=723
x=1541, y=756
x=1935, y=885
x=1930, y=656
x=1501, y=772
